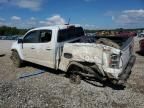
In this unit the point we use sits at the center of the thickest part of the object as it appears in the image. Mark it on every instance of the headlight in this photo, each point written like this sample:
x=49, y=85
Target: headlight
x=114, y=61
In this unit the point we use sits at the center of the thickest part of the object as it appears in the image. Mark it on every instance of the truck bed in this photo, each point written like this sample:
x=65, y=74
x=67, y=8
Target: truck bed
x=121, y=41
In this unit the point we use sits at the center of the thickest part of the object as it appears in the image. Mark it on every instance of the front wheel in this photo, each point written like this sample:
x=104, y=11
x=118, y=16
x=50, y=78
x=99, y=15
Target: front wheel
x=16, y=59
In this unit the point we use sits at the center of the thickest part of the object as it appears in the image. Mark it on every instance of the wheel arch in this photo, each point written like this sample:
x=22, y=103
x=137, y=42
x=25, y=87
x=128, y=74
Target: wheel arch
x=20, y=55
x=74, y=64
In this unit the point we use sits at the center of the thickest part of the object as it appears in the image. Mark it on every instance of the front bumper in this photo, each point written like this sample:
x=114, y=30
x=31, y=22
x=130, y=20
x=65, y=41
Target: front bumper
x=122, y=78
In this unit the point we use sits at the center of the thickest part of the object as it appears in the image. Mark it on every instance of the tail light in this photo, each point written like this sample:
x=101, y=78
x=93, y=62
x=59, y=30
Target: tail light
x=114, y=61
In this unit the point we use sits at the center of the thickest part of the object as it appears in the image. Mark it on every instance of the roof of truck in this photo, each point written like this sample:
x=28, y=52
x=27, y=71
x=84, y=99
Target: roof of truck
x=56, y=27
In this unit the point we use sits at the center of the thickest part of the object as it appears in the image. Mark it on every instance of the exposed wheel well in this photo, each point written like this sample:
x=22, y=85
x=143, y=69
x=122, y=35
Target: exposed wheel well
x=74, y=67
x=14, y=50
x=85, y=69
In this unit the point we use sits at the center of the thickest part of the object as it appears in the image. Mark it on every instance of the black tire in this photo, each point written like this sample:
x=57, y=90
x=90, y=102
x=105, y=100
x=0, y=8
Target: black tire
x=16, y=59
x=75, y=78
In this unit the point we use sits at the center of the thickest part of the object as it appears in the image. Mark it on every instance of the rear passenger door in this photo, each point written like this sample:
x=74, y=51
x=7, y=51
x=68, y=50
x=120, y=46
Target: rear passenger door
x=46, y=51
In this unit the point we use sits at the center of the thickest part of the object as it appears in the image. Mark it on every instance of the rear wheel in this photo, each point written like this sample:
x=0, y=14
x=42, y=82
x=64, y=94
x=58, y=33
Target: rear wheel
x=75, y=78
x=74, y=75
x=16, y=59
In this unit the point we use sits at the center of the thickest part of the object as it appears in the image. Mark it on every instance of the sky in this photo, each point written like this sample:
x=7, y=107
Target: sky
x=91, y=14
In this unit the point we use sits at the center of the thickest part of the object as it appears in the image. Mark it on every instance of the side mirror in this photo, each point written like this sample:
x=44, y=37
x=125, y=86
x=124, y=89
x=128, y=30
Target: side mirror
x=20, y=40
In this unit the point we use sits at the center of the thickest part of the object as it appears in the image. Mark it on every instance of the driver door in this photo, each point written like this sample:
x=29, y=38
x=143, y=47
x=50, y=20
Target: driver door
x=29, y=49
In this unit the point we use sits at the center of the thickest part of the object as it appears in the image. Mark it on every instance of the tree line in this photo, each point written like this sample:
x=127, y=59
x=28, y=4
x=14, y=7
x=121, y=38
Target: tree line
x=9, y=31
x=114, y=30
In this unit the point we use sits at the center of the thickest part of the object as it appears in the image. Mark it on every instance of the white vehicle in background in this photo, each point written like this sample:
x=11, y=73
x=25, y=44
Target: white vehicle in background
x=66, y=48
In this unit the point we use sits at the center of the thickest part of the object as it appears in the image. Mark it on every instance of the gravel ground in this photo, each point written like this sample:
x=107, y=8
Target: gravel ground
x=52, y=89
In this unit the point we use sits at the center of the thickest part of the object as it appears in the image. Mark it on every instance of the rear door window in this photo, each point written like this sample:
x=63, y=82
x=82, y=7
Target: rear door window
x=70, y=33
x=45, y=36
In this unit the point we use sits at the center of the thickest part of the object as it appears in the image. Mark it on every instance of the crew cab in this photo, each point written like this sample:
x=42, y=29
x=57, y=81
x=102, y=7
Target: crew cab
x=67, y=48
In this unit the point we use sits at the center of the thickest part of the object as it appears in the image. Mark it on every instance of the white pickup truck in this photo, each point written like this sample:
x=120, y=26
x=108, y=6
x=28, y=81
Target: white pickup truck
x=66, y=48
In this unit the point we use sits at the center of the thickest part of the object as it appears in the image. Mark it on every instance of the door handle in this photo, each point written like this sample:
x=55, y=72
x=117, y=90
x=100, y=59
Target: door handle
x=32, y=48
x=48, y=49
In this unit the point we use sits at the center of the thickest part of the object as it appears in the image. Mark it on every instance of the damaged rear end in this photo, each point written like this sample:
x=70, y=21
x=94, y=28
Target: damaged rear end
x=117, y=63
x=99, y=61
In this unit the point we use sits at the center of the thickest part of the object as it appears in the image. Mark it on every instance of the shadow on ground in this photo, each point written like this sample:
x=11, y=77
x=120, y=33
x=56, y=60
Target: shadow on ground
x=105, y=84
x=140, y=53
x=2, y=55
x=92, y=81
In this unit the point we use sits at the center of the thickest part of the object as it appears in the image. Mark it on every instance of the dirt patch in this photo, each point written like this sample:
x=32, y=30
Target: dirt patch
x=116, y=105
